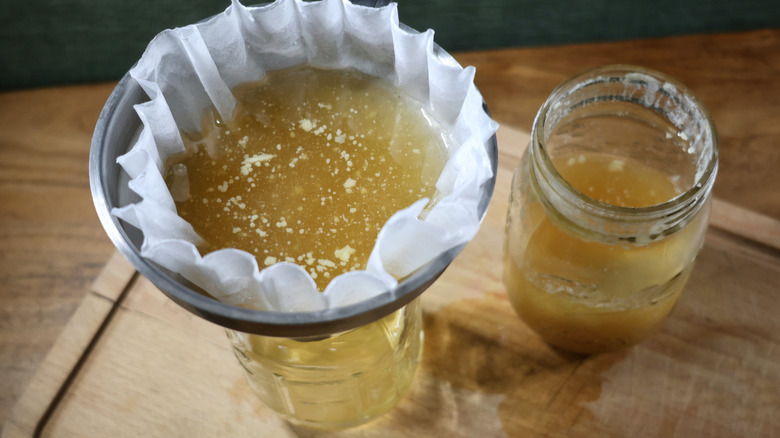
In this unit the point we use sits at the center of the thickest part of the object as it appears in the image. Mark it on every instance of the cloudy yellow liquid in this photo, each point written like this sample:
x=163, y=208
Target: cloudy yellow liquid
x=587, y=296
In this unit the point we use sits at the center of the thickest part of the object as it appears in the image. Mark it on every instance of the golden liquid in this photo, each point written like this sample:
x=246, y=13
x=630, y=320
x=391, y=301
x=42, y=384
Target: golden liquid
x=311, y=168
x=340, y=381
x=588, y=296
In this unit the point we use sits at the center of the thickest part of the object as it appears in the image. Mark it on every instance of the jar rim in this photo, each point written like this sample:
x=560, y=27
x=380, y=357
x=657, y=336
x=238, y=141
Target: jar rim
x=682, y=202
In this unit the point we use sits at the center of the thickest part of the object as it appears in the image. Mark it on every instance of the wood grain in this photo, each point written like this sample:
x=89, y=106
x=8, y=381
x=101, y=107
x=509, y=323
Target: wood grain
x=713, y=370
x=52, y=246
x=72, y=350
x=51, y=243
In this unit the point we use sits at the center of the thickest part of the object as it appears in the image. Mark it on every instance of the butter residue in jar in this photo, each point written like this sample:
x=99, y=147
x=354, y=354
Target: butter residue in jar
x=310, y=168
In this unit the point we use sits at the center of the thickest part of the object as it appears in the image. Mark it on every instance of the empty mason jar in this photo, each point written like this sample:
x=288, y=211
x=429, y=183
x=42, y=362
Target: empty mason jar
x=609, y=208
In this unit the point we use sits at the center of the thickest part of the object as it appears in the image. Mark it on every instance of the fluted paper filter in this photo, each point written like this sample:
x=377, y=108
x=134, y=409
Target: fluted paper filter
x=186, y=71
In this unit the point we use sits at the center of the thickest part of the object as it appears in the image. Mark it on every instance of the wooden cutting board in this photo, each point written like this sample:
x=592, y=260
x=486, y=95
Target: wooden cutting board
x=131, y=363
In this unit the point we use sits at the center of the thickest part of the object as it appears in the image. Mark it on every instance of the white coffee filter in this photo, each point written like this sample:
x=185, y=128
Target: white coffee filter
x=187, y=70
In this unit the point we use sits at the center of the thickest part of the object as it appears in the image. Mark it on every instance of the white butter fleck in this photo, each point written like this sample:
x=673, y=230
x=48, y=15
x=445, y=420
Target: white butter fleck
x=306, y=124
x=256, y=160
x=344, y=254
x=326, y=263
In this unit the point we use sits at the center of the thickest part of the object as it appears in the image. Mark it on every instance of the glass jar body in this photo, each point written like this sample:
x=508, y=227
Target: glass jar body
x=345, y=380
x=588, y=296
x=595, y=256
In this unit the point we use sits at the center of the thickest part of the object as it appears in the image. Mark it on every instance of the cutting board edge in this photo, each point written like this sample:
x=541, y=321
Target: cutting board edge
x=62, y=364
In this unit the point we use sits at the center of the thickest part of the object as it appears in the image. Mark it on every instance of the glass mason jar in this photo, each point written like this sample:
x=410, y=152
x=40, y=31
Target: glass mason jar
x=342, y=381
x=609, y=207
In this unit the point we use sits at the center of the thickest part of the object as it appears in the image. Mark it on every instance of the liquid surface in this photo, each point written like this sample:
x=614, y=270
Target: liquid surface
x=309, y=171
x=616, y=181
x=588, y=296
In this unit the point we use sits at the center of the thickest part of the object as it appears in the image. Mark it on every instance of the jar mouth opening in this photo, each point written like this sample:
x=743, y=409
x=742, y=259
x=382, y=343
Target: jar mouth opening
x=690, y=197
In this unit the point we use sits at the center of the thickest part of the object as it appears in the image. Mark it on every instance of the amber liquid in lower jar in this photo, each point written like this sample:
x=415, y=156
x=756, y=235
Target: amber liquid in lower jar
x=608, y=208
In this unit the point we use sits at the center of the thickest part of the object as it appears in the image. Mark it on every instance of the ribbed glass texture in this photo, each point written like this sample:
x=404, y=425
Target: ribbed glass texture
x=342, y=381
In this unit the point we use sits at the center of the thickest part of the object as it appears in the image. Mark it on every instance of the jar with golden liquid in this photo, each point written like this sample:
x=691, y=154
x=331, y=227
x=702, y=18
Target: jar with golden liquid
x=609, y=208
x=343, y=380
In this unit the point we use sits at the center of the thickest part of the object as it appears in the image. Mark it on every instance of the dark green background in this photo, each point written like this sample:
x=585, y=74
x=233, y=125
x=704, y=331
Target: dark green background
x=52, y=42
